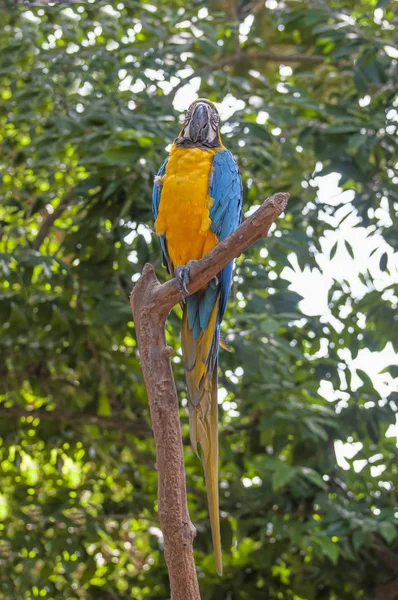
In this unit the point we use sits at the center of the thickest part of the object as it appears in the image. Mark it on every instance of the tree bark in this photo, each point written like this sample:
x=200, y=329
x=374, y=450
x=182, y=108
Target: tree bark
x=151, y=303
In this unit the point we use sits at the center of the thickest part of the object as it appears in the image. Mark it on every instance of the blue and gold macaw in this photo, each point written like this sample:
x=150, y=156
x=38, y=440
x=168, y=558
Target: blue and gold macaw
x=197, y=201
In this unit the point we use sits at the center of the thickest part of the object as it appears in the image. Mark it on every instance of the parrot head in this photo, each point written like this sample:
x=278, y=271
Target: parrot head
x=201, y=126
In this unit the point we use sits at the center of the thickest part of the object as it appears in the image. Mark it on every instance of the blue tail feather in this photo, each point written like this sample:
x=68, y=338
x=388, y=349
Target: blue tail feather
x=200, y=306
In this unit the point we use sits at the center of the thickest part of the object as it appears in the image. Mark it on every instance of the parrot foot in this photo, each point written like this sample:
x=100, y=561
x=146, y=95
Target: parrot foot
x=182, y=275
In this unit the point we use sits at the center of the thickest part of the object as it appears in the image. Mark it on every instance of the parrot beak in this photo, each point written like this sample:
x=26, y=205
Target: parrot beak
x=199, y=125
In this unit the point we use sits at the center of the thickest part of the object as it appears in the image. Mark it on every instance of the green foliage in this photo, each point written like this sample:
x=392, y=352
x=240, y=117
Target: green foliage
x=86, y=112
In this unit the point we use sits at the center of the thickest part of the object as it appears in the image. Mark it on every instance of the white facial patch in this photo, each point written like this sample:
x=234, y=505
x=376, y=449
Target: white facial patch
x=213, y=123
x=185, y=132
x=211, y=135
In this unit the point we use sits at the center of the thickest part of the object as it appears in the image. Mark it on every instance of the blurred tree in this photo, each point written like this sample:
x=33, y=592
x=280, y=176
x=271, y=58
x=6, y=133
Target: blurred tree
x=89, y=101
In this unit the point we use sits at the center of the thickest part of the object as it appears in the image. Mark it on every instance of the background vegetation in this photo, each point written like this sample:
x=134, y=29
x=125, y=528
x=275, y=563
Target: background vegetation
x=86, y=112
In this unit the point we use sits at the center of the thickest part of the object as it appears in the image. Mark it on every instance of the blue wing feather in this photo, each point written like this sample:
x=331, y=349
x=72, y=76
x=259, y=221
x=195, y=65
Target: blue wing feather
x=156, y=191
x=225, y=187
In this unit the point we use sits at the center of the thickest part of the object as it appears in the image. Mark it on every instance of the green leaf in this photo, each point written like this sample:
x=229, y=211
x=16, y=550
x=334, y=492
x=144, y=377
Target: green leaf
x=89, y=572
x=314, y=477
x=383, y=261
x=388, y=531
x=316, y=429
x=342, y=128
x=329, y=548
x=111, y=311
x=270, y=325
x=359, y=538
x=349, y=248
x=392, y=369
x=367, y=385
x=282, y=476
x=227, y=535
x=46, y=571
x=104, y=407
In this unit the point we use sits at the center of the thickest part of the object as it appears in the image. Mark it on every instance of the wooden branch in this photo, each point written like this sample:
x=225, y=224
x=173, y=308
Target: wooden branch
x=49, y=221
x=253, y=228
x=389, y=557
x=50, y=3
x=137, y=426
x=151, y=302
x=247, y=57
x=387, y=591
x=278, y=57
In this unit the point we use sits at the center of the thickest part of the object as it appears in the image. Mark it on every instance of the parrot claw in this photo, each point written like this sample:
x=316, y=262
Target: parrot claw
x=182, y=275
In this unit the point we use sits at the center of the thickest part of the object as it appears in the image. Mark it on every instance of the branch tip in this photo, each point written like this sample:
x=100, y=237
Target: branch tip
x=280, y=200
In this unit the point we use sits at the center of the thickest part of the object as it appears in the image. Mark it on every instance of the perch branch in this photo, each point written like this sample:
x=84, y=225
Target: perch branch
x=50, y=4
x=50, y=220
x=247, y=57
x=387, y=591
x=151, y=302
x=137, y=426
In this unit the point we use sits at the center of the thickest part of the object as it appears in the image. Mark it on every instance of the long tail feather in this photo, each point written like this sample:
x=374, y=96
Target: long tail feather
x=211, y=475
x=200, y=360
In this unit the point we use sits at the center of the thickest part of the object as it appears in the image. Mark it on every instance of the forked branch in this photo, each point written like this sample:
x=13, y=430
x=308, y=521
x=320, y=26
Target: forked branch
x=151, y=302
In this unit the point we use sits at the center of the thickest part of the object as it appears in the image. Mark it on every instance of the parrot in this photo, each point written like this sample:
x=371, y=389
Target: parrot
x=196, y=203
